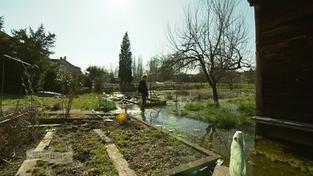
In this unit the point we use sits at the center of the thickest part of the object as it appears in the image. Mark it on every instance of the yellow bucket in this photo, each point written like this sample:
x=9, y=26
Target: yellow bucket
x=121, y=118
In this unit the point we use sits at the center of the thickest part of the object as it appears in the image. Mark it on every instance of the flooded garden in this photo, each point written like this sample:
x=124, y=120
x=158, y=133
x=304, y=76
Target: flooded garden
x=154, y=143
x=195, y=88
x=185, y=119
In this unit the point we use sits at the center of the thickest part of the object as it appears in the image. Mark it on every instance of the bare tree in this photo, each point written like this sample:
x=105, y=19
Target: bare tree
x=1, y=22
x=214, y=38
x=153, y=68
x=137, y=68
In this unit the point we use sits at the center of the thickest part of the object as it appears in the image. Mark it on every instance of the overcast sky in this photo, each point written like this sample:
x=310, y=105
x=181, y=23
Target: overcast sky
x=89, y=32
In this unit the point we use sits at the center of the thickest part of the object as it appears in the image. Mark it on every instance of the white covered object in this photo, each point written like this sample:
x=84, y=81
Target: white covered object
x=237, y=165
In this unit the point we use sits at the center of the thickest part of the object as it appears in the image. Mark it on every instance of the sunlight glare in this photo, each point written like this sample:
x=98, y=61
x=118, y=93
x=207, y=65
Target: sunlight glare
x=118, y=3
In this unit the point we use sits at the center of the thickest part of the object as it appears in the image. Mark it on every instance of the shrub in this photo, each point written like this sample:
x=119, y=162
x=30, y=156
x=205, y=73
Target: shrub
x=105, y=105
x=198, y=106
x=56, y=106
x=169, y=96
x=233, y=113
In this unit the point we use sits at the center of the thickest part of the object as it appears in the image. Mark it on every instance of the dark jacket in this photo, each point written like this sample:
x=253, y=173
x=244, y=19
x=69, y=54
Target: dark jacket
x=142, y=87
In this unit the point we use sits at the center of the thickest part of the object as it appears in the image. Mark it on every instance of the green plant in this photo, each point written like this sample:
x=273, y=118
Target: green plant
x=105, y=105
x=198, y=106
x=56, y=106
x=41, y=168
x=169, y=96
x=67, y=83
x=232, y=113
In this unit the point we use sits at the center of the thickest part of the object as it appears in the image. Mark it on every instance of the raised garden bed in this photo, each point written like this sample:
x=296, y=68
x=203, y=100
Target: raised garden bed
x=9, y=166
x=89, y=154
x=147, y=150
x=152, y=152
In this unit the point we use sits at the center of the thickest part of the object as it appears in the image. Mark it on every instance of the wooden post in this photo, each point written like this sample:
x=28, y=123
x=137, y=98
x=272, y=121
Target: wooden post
x=259, y=60
x=2, y=88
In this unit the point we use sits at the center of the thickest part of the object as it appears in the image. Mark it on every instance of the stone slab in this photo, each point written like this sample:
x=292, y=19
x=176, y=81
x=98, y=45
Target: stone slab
x=119, y=162
x=103, y=136
x=28, y=165
x=117, y=158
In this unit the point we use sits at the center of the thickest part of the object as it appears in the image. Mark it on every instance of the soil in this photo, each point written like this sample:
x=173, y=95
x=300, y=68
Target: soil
x=10, y=165
x=89, y=154
x=147, y=150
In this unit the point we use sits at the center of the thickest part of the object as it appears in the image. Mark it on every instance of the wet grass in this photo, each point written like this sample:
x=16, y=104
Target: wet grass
x=232, y=113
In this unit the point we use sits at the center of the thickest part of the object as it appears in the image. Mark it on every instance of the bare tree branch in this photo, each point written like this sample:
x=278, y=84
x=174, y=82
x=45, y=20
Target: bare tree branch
x=213, y=38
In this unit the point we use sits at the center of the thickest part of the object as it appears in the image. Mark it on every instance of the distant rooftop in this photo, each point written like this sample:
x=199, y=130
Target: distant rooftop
x=63, y=59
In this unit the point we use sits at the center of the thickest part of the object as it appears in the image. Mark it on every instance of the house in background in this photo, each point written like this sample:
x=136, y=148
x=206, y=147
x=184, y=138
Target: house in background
x=284, y=85
x=63, y=64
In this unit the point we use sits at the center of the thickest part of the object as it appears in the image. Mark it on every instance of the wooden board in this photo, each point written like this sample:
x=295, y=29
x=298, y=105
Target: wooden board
x=115, y=155
x=284, y=40
x=221, y=171
x=28, y=165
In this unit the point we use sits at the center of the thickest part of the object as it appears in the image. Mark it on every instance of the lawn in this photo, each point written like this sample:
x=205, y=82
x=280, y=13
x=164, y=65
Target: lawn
x=87, y=101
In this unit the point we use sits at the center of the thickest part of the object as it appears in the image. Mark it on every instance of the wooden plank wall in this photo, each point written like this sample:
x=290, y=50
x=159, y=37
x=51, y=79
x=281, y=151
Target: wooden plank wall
x=285, y=58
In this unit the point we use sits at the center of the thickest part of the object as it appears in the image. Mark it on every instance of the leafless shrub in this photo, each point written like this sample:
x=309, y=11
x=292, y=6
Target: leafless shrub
x=15, y=131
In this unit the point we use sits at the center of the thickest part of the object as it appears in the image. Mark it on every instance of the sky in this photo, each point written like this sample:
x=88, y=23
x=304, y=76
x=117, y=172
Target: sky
x=89, y=32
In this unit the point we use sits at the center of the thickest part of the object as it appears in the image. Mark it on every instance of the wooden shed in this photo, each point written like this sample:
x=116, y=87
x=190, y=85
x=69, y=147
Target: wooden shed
x=284, y=53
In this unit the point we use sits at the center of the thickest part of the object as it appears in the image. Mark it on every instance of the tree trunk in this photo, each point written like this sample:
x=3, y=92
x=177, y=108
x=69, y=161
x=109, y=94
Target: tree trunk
x=215, y=95
x=212, y=82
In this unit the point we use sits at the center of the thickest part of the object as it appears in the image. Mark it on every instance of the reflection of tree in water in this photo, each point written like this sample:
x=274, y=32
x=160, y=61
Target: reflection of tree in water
x=212, y=139
x=143, y=116
x=154, y=116
x=211, y=134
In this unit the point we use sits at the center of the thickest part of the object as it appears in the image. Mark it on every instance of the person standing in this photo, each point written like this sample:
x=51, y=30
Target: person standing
x=143, y=90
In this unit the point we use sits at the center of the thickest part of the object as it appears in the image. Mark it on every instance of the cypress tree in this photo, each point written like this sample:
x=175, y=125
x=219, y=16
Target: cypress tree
x=125, y=63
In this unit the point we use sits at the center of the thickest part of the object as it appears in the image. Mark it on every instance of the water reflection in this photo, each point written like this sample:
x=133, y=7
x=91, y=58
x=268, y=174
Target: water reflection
x=143, y=116
x=208, y=136
x=196, y=131
x=212, y=138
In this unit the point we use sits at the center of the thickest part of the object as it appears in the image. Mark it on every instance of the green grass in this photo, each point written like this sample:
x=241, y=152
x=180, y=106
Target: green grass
x=13, y=100
x=232, y=113
x=87, y=101
x=41, y=168
x=198, y=106
x=245, y=105
x=105, y=105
